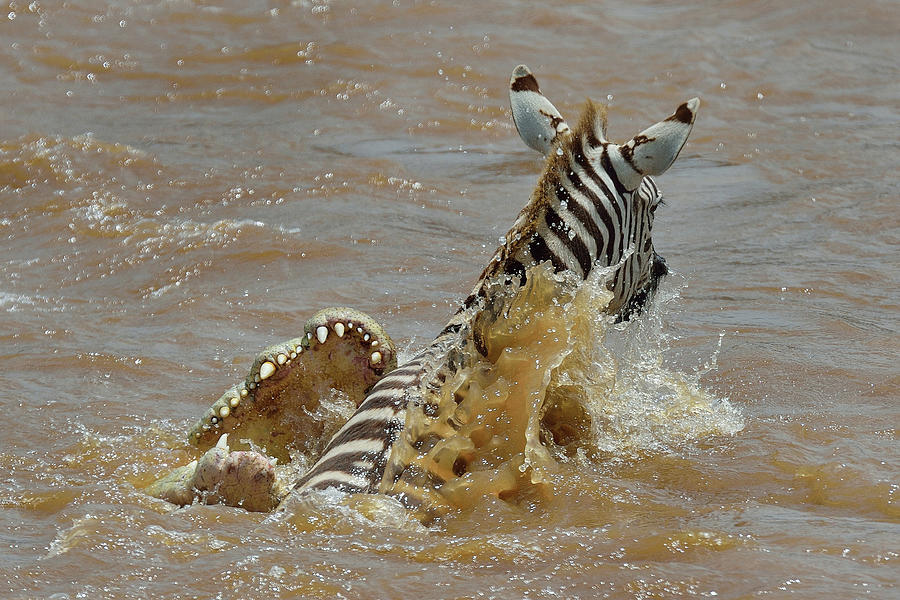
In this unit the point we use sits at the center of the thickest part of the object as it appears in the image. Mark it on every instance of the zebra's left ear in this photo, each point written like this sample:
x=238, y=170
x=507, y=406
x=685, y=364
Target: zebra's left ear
x=653, y=150
x=537, y=120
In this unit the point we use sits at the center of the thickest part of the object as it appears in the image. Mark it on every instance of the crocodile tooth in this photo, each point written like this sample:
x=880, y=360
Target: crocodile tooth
x=266, y=370
x=339, y=329
x=321, y=333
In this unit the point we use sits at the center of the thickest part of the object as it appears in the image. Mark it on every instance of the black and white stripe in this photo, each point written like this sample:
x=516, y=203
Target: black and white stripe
x=355, y=457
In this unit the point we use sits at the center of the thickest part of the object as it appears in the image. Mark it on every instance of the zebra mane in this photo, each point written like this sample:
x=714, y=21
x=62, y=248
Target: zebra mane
x=592, y=124
x=588, y=120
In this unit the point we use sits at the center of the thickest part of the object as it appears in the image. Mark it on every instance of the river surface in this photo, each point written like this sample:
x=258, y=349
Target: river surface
x=184, y=183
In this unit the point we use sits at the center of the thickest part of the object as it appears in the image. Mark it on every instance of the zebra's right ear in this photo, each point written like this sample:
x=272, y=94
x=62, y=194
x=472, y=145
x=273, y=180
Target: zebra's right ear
x=537, y=120
x=653, y=150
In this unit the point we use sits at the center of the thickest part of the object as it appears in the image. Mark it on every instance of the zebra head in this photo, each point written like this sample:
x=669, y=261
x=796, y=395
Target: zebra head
x=598, y=198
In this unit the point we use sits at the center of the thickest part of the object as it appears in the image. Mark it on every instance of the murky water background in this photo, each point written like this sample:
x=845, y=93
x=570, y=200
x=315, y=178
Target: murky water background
x=184, y=183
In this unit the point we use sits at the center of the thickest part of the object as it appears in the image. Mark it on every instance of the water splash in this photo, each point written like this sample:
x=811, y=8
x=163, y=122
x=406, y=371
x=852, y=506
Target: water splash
x=547, y=387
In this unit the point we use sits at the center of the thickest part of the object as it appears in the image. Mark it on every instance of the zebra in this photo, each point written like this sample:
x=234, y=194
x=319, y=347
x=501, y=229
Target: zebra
x=593, y=206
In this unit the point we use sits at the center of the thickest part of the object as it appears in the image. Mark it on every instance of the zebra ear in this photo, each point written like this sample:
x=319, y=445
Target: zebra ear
x=537, y=120
x=653, y=150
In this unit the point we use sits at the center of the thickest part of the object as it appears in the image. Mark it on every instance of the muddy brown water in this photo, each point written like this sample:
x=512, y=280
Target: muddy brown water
x=182, y=184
